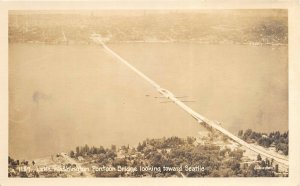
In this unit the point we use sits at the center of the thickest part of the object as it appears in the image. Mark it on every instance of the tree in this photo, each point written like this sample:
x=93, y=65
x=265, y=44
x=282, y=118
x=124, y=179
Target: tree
x=23, y=175
x=283, y=147
x=247, y=134
x=268, y=162
x=101, y=158
x=86, y=149
x=78, y=151
x=114, y=148
x=263, y=163
x=259, y=157
x=93, y=150
x=72, y=154
x=139, y=147
x=111, y=154
x=251, y=170
x=276, y=168
x=124, y=148
x=36, y=174
x=235, y=166
x=272, y=161
x=119, y=162
x=190, y=140
x=237, y=154
x=101, y=150
x=240, y=133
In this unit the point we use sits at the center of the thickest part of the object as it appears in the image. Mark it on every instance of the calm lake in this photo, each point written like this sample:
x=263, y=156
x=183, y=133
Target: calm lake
x=64, y=96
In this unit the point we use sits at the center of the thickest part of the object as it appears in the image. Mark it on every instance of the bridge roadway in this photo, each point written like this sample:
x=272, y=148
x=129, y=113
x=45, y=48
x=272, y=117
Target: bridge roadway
x=201, y=119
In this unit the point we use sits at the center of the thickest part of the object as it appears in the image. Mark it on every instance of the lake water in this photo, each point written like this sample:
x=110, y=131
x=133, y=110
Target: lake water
x=64, y=96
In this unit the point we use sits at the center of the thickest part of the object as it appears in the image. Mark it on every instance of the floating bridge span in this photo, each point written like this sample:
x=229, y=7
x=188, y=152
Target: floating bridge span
x=200, y=119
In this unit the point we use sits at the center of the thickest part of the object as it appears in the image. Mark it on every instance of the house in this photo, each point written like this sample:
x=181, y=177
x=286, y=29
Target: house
x=80, y=158
x=250, y=141
x=273, y=145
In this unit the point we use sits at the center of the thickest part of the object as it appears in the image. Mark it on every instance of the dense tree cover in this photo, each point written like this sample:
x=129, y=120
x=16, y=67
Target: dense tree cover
x=86, y=150
x=279, y=140
x=174, y=152
x=166, y=157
